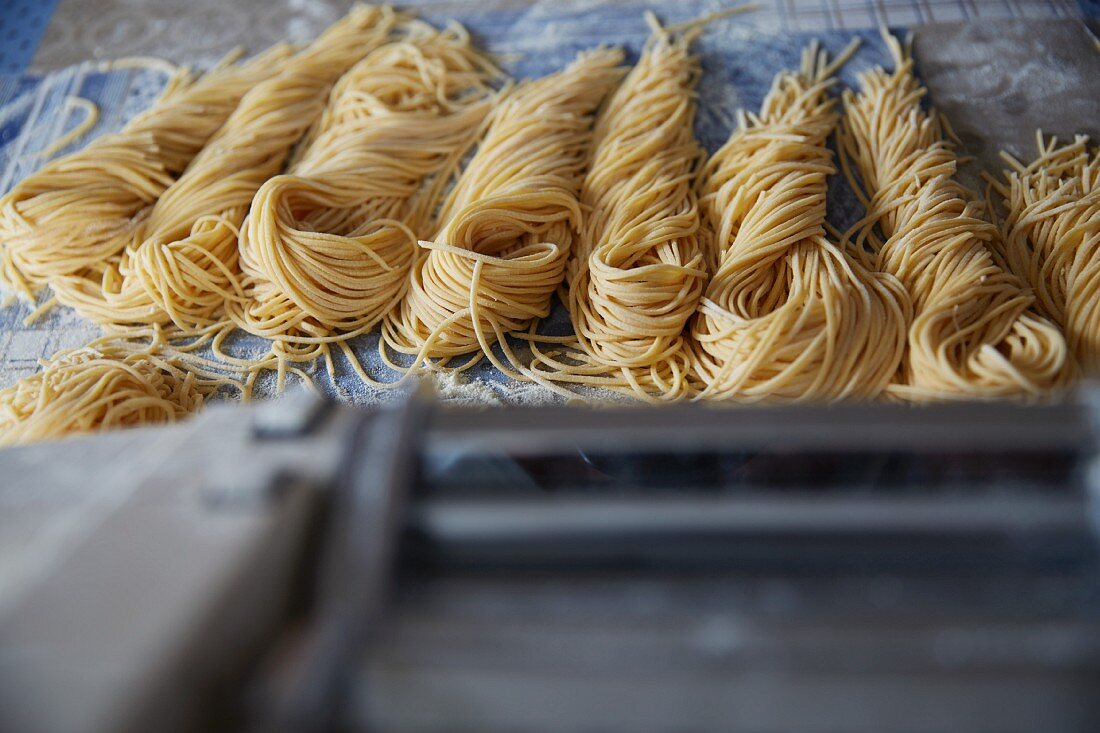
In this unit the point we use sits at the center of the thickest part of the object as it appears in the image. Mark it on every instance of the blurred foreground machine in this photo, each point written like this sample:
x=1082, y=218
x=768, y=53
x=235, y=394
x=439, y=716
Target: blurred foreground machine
x=299, y=566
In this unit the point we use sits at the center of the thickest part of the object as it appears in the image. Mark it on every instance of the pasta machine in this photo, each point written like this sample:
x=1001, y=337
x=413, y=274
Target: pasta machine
x=303, y=566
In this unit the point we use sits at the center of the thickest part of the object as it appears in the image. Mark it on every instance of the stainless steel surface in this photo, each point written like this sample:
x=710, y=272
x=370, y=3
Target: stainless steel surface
x=944, y=595
x=574, y=519
x=111, y=621
x=358, y=559
x=854, y=427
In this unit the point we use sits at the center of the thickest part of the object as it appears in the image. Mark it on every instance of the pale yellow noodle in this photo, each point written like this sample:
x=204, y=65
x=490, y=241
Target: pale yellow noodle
x=90, y=111
x=509, y=223
x=638, y=270
x=184, y=265
x=152, y=63
x=974, y=333
x=97, y=388
x=326, y=248
x=788, y=315
x=82, y=209
x=1051, y=238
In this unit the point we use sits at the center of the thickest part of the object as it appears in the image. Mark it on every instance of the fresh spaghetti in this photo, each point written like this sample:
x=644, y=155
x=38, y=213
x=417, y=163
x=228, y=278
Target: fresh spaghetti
x=185, y=264
x=83, y=209
x=638, y=270
x=509, y=223
x=974, y=333
x=326, y=248
x=788, y=314
x=96, y=388
x=1052, y=239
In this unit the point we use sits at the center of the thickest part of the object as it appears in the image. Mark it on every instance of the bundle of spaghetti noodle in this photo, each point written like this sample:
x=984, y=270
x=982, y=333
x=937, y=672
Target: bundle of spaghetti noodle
x=83, y=208
x=788, y=314
x=98, y=387
x=638, y=269
x=326, y=248
x=494, y=265
x=974, y=334
x=185, y=263
x=1052, y=239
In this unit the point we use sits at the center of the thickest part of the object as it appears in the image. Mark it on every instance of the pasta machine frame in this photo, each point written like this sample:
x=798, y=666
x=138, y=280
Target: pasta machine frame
x=303, y=566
